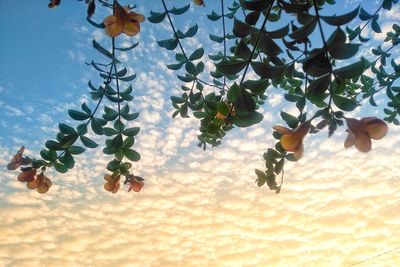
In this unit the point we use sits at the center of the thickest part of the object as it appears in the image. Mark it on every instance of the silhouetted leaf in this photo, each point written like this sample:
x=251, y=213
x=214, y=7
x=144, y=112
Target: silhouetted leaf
x=342, y=19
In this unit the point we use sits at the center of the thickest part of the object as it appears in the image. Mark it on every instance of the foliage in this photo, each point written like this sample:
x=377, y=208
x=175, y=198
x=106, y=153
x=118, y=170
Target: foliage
x=329, y=77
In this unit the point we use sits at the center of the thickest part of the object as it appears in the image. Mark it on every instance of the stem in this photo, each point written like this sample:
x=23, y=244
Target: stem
x=224, y=32
x=256, y=43
x=384, y=53
x=91, y=116
x=173, y=29
x=365, y=25
x=252, y=54
x=117, y=82
x=326, y=53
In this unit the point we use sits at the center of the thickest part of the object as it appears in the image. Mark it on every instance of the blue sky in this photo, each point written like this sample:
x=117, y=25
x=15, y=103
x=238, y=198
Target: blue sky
x=197, y=208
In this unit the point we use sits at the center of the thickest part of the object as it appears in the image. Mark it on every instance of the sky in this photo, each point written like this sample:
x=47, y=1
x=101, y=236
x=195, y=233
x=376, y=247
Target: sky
x=197, y=208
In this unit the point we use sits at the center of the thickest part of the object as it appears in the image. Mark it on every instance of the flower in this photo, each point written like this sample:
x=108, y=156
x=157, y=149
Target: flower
x=18, y=160
x=292, y=140
x=199, y=2
x=112, y=183
x=123, y=21
x=27, y=174
x=135, y=182
x=361, y=132
x=54, y=3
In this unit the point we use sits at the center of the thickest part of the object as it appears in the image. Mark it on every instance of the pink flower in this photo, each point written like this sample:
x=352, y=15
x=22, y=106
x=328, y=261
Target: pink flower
x=18, y=160
x=361, y=132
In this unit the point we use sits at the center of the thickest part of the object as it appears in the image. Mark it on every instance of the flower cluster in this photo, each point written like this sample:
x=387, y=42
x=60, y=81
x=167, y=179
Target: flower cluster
x=112, y=183
x=28, y=174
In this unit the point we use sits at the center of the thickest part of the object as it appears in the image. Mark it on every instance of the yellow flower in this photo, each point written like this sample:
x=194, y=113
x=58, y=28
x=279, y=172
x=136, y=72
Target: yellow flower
x=123, y=20
x=292, y=140
x=361, y=132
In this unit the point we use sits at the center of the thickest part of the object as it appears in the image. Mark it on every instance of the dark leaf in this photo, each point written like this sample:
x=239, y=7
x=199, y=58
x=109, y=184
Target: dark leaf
x=342, y=19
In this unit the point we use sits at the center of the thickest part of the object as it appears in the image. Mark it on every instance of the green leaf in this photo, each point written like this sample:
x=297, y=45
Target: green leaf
x=190, y=32
x=88, y=142
x=60, y=167
x=233, y=92
x=76, y=150
x=242, y=50
x=169, y=44
x=128, y=142
x=319, y=85
x=375, y=26
x=116, y=143
x=304, y=31
x=244, y=103
x=268, y=46
x=128, y=78
x=351, y=71
x=279, y=166
x=131, y=131
x=132, y=154
x=52, y=145
x=364, y=15
x=256, y=4
x=344, y=103
x=291, y=120
x=68, y=140
x=231, y=67
x=77, y=115
x=216, y=39
x=261, y=177
x=156, y=17
x=130, y=117
x=241, y=29
x=267, y=71
x=213, y=16
x=85, y=108
x=197, y=54
x=67, y=160
x=343, y=51
x=126, y=49
x=190, y=68
x=256, y=86
x=97, y=25
x=279, y=33
x=342, y=19
x=65, y=129
x=113, y=165
x=179, y=11
x=175, y=66
x=49, y=155
x=101, y=49
x=109, y=114
x=249, y=120
x=96, y=126
x=109, y=131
